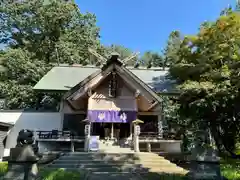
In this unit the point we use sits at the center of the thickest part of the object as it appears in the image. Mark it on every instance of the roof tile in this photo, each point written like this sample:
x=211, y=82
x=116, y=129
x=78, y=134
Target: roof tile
x=63, y=78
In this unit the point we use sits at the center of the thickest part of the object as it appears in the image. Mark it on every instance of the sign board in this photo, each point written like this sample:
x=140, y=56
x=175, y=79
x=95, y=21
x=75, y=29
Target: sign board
x=93, y=143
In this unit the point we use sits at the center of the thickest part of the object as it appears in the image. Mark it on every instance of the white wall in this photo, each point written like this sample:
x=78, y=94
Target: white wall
x=28, y=120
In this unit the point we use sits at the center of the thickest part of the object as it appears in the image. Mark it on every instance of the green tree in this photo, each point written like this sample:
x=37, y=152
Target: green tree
x=152, y=59
x=172, y=48
x=39, y=33
x=207, y=68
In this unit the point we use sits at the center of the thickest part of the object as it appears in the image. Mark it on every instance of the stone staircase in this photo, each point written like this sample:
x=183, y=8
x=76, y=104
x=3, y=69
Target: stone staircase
x=115, y=165
x=151, y=162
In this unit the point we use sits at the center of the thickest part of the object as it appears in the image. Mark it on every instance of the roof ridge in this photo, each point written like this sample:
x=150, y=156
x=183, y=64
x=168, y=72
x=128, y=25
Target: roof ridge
x=78, y=65
x=98, y=67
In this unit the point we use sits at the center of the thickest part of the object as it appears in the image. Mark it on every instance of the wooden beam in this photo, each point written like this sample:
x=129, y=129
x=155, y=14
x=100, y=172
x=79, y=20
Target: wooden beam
x=152, y=106
x=89, y=92
x=77, y=112
x=101, y=58
x=70, y=105
x=148, y=113
x=93, y=83
x=80, y=93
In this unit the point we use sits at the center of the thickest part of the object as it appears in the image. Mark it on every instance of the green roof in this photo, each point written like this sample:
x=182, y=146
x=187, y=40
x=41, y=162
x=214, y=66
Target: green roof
x=63, y=78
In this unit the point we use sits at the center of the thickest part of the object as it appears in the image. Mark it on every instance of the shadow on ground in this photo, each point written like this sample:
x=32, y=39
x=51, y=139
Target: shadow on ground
x=162, y=176
x=181, y=160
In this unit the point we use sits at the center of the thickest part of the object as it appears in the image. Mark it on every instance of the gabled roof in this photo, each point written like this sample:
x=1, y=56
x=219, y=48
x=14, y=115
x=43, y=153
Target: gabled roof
x=63, y=78
x=125, y=73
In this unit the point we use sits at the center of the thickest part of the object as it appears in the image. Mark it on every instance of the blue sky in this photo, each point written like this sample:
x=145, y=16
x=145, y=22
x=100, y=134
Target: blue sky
x=145, y=24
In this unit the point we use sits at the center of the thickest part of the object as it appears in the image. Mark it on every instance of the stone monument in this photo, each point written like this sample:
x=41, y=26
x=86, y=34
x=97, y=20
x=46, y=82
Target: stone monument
x=204, y=160
x=22, y=162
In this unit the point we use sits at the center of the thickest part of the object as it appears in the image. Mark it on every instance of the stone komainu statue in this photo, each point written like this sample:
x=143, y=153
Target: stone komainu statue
x=24, y=157
x=26, y=137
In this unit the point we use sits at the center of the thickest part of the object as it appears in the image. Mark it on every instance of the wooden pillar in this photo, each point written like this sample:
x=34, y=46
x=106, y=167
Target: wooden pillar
x=131, y=133
x=72, y=146
x=148, y=147
x=61, y=110
x=112, y=131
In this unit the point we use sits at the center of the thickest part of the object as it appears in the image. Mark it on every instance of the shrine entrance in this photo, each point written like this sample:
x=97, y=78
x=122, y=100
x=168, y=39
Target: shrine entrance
x=112, y=131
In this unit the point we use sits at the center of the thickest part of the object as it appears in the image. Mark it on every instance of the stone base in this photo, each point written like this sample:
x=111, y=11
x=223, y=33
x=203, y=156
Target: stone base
x=204, y=170
x=22, y=171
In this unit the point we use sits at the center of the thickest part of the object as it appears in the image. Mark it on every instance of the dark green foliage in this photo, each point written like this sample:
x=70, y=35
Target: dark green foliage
x=39, y=33
x=207, y=67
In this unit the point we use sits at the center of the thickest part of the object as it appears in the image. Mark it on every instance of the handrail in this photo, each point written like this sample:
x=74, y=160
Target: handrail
x=56, y=134
x=166, y=135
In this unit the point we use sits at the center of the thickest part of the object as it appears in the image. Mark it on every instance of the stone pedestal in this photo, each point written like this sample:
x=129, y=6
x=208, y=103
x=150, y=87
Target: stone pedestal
x=86, y=143
x=25, y=171
x=204, y=164
x=136, y=143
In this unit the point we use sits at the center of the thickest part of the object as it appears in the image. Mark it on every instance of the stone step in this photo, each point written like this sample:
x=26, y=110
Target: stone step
x=155, y=158
x=120, y=167
x=116, y=153
x=113, y=161
x=157, y=164
x=99, y=162
x=92, y=165
x=147, y=154
x=113, y=176
x=93, y=169
x=107, y=158
x=97, y=156
x=169, y=170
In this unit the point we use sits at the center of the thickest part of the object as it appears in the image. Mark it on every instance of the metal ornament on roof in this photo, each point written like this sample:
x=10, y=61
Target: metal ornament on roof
x=129, y=58
x=99, y=57
x=102, y=60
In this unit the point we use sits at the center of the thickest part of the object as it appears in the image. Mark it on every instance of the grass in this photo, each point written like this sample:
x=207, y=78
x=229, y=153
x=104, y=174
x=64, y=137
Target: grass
x=3, y=168
x=60, y=174
x=230, y=168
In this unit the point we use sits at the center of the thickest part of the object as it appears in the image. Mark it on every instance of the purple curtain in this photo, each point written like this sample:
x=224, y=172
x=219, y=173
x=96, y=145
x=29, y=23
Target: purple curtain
x=112, y=116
